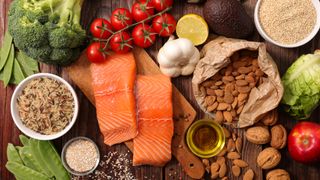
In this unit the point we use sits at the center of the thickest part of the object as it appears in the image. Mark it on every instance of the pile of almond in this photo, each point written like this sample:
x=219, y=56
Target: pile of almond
x=230, y=154
x=227, y=91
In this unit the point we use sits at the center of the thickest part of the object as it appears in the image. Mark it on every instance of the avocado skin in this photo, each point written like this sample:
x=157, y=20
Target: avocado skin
x=228, y=18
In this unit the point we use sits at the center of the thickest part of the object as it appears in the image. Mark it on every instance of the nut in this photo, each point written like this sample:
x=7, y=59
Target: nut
x=239, y=144
x=227, y=116
x=222, y=170
x=222, y=152
x=278, y=174
x=240, y=163
x=258, y=135
x=222, y=106
x=231, y=145
x=214, y=167
x=205, y=162
x=244, y=70
x=233, y=155
x=218, y=117
x=236, y=170
x=241, y=82
x=214, y=175
x=221, y=160
x=219, y=92
x=212, y=107
x=242, y=97
x=227, y=133
x=270, y=118
x=278, y=136
x=269, y=158
x=228, y=97
x=248, y=175
x=243, y=89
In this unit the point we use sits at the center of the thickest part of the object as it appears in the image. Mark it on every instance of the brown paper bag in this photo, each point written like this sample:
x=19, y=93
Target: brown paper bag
x=216, y=55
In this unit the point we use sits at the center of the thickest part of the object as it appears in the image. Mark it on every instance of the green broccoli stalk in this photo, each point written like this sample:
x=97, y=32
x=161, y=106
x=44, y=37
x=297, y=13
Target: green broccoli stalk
x=47, y=30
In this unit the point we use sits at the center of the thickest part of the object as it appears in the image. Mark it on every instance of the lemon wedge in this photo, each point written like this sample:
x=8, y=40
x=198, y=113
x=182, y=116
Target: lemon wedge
x=194, y=28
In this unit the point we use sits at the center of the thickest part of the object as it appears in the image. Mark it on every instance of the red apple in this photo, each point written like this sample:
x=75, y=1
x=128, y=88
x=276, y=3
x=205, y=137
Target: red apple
x=304, y=142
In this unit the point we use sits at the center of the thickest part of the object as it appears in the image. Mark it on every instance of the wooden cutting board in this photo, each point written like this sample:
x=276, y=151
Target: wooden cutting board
x=184, y=114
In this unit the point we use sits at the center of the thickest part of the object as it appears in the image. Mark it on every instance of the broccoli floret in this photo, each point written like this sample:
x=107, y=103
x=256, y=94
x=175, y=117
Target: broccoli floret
x=47, y=30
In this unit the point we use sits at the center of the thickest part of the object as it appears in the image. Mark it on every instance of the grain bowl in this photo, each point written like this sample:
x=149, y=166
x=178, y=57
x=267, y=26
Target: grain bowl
x=288, y=23
x=44, y=106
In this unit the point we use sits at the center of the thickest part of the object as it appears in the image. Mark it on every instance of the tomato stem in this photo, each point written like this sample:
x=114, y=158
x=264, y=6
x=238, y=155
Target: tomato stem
x=132, y=25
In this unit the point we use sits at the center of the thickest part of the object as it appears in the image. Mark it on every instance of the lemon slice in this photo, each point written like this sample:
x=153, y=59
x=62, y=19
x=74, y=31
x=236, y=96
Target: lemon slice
x=193, y=27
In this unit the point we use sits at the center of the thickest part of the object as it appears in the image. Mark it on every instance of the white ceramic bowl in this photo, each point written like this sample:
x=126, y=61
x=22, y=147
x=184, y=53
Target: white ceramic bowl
x=15, y=112
x=315, y=30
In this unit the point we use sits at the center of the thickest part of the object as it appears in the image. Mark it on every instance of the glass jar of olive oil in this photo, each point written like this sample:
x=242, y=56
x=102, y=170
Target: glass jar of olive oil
x=205, y=138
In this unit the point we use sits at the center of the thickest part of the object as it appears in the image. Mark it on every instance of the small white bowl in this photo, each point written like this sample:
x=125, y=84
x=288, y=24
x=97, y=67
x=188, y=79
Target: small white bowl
x=15, y=112
x=315, y=30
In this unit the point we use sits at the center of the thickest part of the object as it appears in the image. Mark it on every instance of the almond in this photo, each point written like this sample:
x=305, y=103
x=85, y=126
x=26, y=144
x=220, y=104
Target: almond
x=226, y=132
x=240, y=163
x=227, y=78
x=243, y=89
x=222, y=152
x=227, y=116
x=214, y=87
x=258, y=135
x=236, y=170
x=242, y=97
x=220, y=99
x=235, y=73
x=210, y=92
x=235, y=93
x=219, y=92
x=248, y=175
x=234, y=103
x=241, y=82
x=259, y=72
x=221, y=160
x=209, y=100
x=249, y=79
x=222, y=106
x=244, y=70
x=222, y=170
x=240, y=77
x=239, y=144
x=239, y=110
x=214, y=167
x=212, y=107
x=233, y=113
x=229, y=87
x=231, y=145
x=218, y=117
x=228, y=97
x=233, y=155
x=207, y=84
x=218, y=83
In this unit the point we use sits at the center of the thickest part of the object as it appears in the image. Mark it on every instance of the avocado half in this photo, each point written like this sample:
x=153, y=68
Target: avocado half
x=228, y=18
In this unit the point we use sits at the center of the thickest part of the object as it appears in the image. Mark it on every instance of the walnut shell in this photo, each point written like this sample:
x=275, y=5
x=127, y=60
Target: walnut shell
x=270, y=118
x=258, y=135
x=278, y=136
x=269, y=158
x=278, y=174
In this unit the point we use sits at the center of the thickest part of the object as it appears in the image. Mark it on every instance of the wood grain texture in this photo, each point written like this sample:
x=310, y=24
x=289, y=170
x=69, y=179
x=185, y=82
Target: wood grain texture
x=87, y=125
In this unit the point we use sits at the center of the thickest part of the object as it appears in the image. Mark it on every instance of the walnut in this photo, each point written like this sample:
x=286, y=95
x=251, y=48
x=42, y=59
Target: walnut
x=269, y=158
x=278, y=136
x=258, y=135
x=278, y=174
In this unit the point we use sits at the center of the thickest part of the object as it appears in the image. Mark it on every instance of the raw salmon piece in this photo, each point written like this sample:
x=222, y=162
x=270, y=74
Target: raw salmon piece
x=113, y=84
x=152, y=145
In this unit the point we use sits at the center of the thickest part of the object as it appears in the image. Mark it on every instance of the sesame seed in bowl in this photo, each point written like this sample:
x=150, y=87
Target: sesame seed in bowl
x=80, y=156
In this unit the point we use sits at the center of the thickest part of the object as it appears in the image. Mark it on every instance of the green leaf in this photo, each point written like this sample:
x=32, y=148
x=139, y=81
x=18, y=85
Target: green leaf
x=7, y=71
x=5, y=50
x=17, y=74
x=24, y=140
x=12, y=154
x=25, y=172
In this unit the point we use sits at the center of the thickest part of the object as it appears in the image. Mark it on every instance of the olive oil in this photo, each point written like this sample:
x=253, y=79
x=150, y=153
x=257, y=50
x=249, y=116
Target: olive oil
x=205, y=138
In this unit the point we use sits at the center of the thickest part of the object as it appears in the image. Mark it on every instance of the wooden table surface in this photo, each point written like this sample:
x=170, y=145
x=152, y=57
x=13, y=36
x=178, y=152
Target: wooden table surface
x=87, y=125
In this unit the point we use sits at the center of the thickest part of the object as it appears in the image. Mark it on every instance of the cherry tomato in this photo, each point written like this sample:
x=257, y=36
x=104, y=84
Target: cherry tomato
x=96, y=52
x=121, y=18
x=121, y=42
x=143, y=35
x=161, y=5
x=164, y=24
x=101, y=28
x=142, y=10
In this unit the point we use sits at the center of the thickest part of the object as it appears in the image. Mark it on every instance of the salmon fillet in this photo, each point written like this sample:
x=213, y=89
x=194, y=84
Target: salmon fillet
x=113, y=84
x=152, y=145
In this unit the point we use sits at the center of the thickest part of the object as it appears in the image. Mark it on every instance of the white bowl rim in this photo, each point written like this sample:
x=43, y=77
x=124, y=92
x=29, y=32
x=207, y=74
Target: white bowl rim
x=316, y=4
x=26, y=130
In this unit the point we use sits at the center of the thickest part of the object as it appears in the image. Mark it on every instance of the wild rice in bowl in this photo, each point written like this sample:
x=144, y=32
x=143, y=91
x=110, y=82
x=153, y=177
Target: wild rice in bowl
x=46, y=106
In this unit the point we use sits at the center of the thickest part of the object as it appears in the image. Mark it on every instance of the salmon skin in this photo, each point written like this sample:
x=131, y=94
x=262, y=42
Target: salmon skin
x=152, y=145
x=113, y=85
